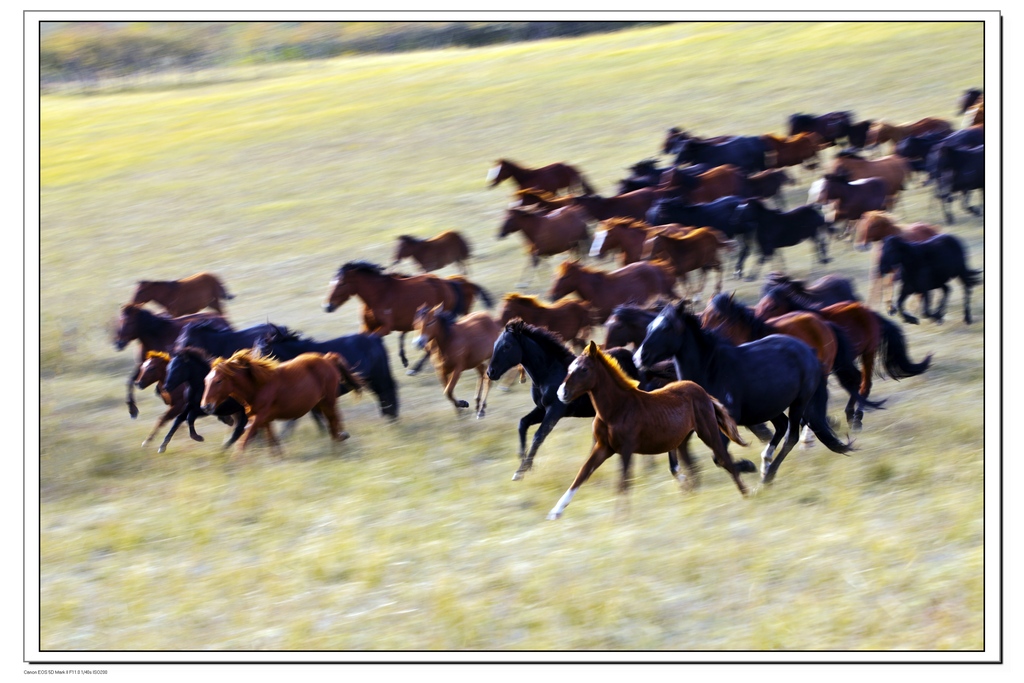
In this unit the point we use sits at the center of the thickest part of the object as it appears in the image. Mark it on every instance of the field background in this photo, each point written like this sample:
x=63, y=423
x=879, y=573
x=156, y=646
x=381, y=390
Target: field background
x=412, y=536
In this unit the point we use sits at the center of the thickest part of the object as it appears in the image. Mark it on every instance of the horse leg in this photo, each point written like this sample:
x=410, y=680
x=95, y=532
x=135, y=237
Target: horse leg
x=600, y=453
x=482, y=385
x=531, y=267
x=172, y=412
x=531, y=418
x=901, y=299
x=792, y=436
x=419, y=365
x=401, y=350
x=967, y=301
x=240, y=420
x=718, y=285
x=761, y=431
x=822, y=245
x=719, y=445
x=133, y=410
x=182, y=416
x=275, y=446
x=939, y=313
x=781, y=428
x=450, y=381
x=690, y=480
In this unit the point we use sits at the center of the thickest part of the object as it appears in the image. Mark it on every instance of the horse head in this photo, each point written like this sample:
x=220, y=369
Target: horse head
x=499, y=172
x=663, y=337
x=508, y=352
x=892, y=254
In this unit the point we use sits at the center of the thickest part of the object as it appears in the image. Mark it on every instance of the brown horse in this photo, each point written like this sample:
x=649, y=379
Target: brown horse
x=182, y=297
x=796, y=150
x=153, y=371
x=433, y=253
x=721, y=181
x=629, y=236
x=893, y=169
x=391, y=300
x=539, y=199
x=636, y=283
x=633, y=204
x=155, y=332
x=280, y=391
x=459, y=345
x=697, y=250
x=875, y=226
x=547, y=234
x=568, y=318
x=630, y=420
x=882, y=132
x=552, y=178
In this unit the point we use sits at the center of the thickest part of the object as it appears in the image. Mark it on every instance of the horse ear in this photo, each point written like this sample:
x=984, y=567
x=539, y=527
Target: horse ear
x=592, y=348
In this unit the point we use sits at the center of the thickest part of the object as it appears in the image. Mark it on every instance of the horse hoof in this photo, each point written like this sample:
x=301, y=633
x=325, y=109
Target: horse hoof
x=161, y=449
x=343, y=436
x=480, y=415
x=554, y=515
x=855, y=425
x=133, y=411
x=505, y=389
x=197, y=437
x=462, y=404
x=410, y=372
x=745, y=466
x=518, y=476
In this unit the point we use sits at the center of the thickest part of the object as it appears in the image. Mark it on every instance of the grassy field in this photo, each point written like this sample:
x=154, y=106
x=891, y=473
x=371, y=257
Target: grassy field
x=412, y=536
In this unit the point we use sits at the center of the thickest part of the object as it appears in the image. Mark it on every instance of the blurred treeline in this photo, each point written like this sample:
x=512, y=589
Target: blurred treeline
x=84, y=52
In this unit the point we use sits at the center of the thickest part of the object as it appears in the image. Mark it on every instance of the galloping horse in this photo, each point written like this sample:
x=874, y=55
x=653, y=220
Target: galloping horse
x=925, y=266
x=830, y=289
x=756, y=382
x=850, y=199
x=875, y=226
x=774, y=230
x=628, y=324
x=630, y=420
x=697, y=250
x=433, y=253
x=273, y=390
x=636, y=283
x=393, y=299
x=154, y=371
x=882, y=132
x=547, y=234
x=720, y=181
x=629, y=236
x=569, y=319
x=459, y=345
x=633, y=204
x=893, y=169
x=182, y=297
x=543, y=200
x=796, y=150
x=552, y=178
x=155, y=332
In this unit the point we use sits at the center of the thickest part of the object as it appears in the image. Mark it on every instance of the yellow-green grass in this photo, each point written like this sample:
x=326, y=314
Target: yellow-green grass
x=412, y=535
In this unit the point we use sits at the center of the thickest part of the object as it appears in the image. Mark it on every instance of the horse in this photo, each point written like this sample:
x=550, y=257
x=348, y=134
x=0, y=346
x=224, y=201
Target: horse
x=433, y=253
x=857, y=133
x=633, y=204
x=875, y=226
x=219, y=343
x=795, y=150
x=831, y=127
x=627, y=325
x=697, y=250
x=636, y=283
x=393, y=299
x=970, y=97
x=628, y=236
x=925, y=266
x=155, y=332
x=642, y=174
x=893, y=169
x=850, y=199
x=569, y=319
x=630, y=420
x=154, y=371
x=768, y=184
x=546, y=359
x=917, y=149
x=869, y=333
x=459, y=345
x=774, y=230
x=552, y=178
x=756, y=382
x=364, y=353
x=273, y=390
x=745, y=152
x=719, y=215
x=830, y=289
x=540, y=200
x=185, y=373
x=547, y=234
x=738, y=324
x=715, y=183
x=958, y=169
x=882, y=132
x=185, y=296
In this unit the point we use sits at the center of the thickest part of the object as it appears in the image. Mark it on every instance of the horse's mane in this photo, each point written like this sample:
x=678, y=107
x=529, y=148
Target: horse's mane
x=792, y=295
x=744, y=315
x=208, y=324
x=361, y=267
x=410, y=239
x=568, y=264
x=618, y=374
x=630, y=314
x=259, y=366
x=162, y=355
x=545, y=338
x=527, y=299
x=447, y=319
x=193, y=353
x=624, y=222
x=537, y=192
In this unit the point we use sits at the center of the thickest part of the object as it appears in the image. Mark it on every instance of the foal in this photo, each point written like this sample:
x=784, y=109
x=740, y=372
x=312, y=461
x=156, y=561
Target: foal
x=630, y=420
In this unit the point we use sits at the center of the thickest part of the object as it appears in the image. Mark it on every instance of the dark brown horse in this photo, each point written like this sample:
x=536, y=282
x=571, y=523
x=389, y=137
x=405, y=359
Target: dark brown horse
x=182, y=297
x=552, y=178
x=636, y=283
x=459, y=345
x=433, y=253
x=280, y=391
x=697, y=250
x=155, y=332
x=538, y=199
x=547, y=234
x=153, y=371
x=631, y=421
x=893, y=169
x=392, y=299
x=721, y=181
x=629, y=236
x=569, y=319
x=796, y=150
x=850, y=199
x=882, y=132
x=633, y=204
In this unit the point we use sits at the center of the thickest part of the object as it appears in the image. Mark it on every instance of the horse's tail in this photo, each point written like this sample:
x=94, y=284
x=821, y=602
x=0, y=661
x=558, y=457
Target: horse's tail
x=816, y=418
x=971, y=277
x=845, y=369
x=584, y=185
x=353, y=380
x=893, y=350
x=726, y=423
x=380, y=379
x=484, y=295
x=460, y=307
x=222, y=290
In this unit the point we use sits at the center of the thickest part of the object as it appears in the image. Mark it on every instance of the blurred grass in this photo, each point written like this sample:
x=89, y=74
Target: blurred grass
x=411, y=536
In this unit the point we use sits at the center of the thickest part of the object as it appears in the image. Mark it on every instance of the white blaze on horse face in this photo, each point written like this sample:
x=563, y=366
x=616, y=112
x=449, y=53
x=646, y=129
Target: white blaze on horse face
x=493, y=173
x=595, y=249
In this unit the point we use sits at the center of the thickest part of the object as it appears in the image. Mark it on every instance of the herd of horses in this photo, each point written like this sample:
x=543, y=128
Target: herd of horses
x=668, y=368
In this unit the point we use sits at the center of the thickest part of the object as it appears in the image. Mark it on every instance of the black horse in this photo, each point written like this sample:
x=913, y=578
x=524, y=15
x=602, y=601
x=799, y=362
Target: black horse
x=825, y=291
x=546, y=361
x=190, y=366
x=832, y=127
x=642, y=174
x=959, y=169
x=627, y=325
x=746, y=152
x=756, y=382
x=216, y=341
x=775, y=230
x=363, y=352
x=925, y=266
x=719, y=214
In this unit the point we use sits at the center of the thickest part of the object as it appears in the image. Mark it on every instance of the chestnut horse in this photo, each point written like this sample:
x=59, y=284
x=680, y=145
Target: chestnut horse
x=697, y=250
x=796, y=150
x=459, y=345
x=155, y=332
x=636, y=283
x=273, y=390
x=182, y=297
x=552, y=178
x=850, y=199
x=721, y=181
x=547, y=234
x=540, y=199
x=882, y=132
x=433, y=253
x=569, y=319
x=893, y=169
x=154, y=371
x=629, y=236
x=633, y=204
x=392, y=299
x=630, y=420
x=875, y=226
